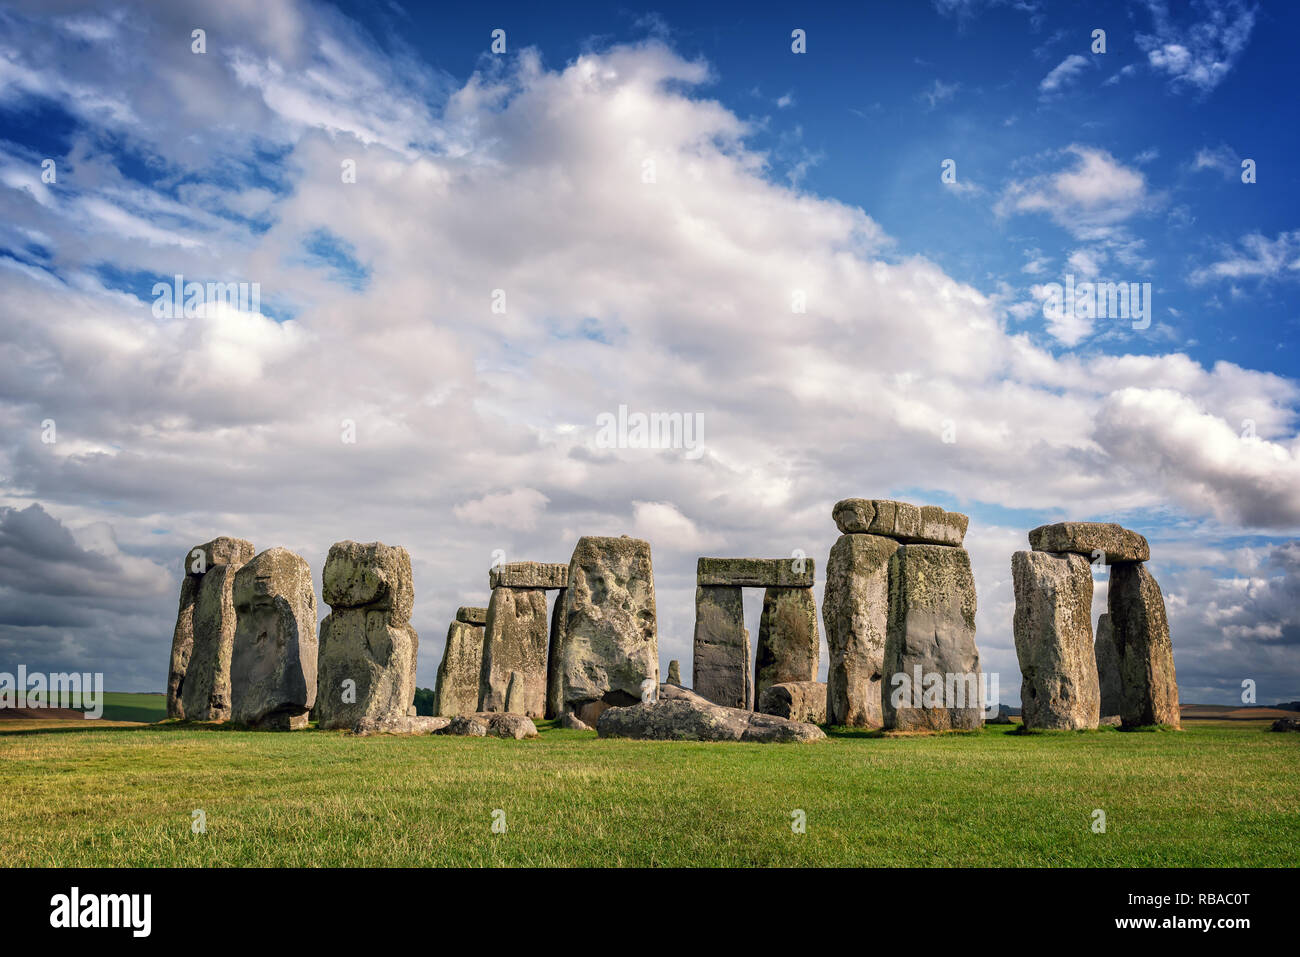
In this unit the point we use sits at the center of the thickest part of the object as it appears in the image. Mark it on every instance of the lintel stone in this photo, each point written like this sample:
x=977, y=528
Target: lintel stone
x=529, y=575
x=756, y=572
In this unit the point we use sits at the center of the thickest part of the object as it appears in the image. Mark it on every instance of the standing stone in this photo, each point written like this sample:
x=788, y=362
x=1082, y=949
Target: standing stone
x=208, y=674
x=1053, y=634
x=515, y=641
x=675, y=673
x=554, y=707
x=789, y=643
x=855, y=607
x=721, y=664
x=610, y=643
x=458, y=675
x=931, y=632
x=1108, y=678
x=1146, y=656
x=368, y=648
x=273, y=664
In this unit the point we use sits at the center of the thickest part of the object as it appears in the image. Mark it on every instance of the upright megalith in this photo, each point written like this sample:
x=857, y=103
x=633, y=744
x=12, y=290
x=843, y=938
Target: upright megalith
x=1053, y=636
x=789, y=643
x=514, y=643
x=368, y=648
x=855, y=608
x=932, y=666
x=273, y=662
x=1109, y=683
x=721, y=663
x=456, y=691
x=198, y=681
x=609, y=647
x=1146, y=655
x=674, y=673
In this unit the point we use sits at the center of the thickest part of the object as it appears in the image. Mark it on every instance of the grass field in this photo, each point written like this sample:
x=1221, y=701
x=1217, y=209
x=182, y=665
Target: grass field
x=77, y=793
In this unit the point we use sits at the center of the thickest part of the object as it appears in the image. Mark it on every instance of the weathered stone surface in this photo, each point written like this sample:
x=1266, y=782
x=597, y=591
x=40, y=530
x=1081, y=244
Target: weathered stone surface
x=721, y=662
x=495, y=724
x=1109, y=683
x=403, y=724
x=1109, y=721
x=1115, y=542
x=855, y=608
x=528, y=575
x=515, y=640
x=1053, y=635
x=931, y=628
x=554, y=658
x=902, y=521
x=472, y=616
x=205, y=691
x=1146, y=656
x=273, y=662
x=368, y=648
x=756, y=572
x=789, y=643
x=222, y=550
x=675, y=673
x=456, y=691
x=574, y=723
x=795, y=700
x=610, y=643
x=182, y=646
x=681, y=715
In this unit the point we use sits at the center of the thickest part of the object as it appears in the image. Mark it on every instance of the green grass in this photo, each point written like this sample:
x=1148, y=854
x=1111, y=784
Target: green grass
x=1214, y=796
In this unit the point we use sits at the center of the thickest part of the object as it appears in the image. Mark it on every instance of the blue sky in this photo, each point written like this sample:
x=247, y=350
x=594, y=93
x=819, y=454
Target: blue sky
x=922, y=367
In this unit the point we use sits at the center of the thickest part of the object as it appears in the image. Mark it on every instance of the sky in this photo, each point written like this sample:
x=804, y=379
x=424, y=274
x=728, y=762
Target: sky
x=838, y=241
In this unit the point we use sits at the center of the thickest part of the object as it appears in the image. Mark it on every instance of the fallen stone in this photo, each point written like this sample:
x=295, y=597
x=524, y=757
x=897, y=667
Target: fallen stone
x=721, y=662
x=1053, y=636
x=574, y=723
x=515, y=641
x=496, y=724
x=1146, y=656
x=789, y=643
x=1109, y=721
x=273, y=662
x=681, y=715
x=1105, y=540
x=902, y=521
x=403, y=724
x=756, y=572
x=368, y=649
x=1109, y=683
x=528, y=575
x=609, y=645
x=795, y=700
x=675, y=673
x=931, y=632
x=456, y=690
x=1286, y=724
x=855, y=608
x=472, y=616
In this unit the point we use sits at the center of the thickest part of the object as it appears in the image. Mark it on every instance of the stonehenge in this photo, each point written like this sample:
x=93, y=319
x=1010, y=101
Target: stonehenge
x=681, y=715
x=456, y=690
x=789, y=645
x=198, y=684
x=368, y=648
x=516, y=638
x=796, y=700
x=1068, y=680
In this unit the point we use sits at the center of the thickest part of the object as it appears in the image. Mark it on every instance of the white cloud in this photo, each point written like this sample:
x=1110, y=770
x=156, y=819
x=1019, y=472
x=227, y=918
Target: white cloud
x=1061, y=74
x=519, y=508
x=1255, y=257
x=1089, y=199
x=1198, y=55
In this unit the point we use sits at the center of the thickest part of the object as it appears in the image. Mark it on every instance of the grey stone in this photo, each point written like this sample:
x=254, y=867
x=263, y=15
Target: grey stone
x=789, y=643
x=182, y=646
x=931, y=628
x=222, y=550
x=515, y=640
x=528, y=575
x=1285, y=724
x=721, y=662
x=756, y=572
x=855, y=608
x=495, y=724
x=1146, y=655
x=456, y=691
x=554, y=658
x=675, y=673
x=273, y=662
x=1109, y=683
x=472, y=616
x=574, y=723
x=1053, y=635
x=1109, y=721
x=205, y=691
x=368, y=649
x=403, y=724
x=681, y=715
x=1114, y=542
x=610, y=643
x=902, y=521
x=795, y=700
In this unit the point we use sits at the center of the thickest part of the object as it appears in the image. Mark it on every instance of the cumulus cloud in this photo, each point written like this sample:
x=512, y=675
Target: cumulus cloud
x=1090, y=198
x=518, y=508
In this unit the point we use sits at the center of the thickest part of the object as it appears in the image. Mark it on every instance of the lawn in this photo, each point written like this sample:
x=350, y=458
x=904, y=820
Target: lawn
x=77, y=794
